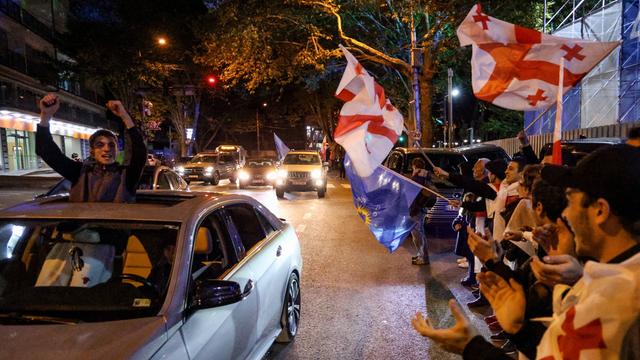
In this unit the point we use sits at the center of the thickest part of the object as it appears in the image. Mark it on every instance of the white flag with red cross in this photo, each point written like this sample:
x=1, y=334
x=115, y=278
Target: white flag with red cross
x=368, y=125
x=518, y=68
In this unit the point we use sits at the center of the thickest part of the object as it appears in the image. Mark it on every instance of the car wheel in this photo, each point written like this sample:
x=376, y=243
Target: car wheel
x=321, y=193
x=290, y=318
x=279, y=193
x=215, y=179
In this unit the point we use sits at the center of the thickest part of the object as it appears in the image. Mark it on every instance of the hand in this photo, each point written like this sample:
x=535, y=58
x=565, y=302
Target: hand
x=453, y=339
x=513, y=235
x=546, y=236
x=116, y=107
x=455, y=203
x=457, y=227
x=524, y=140
x=483, y=248
x=558, y=269
x=49, y=105
x=440, y=172
x=507, y=300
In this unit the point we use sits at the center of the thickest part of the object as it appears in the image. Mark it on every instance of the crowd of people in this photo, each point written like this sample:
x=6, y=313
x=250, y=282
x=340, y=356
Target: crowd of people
x=554, y=250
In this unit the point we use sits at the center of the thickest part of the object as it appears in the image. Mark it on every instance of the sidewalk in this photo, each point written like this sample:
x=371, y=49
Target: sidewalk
x=34, y=178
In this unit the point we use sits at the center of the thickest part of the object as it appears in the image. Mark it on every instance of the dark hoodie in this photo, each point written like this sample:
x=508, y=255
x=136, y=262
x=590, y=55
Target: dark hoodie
x=91, y=181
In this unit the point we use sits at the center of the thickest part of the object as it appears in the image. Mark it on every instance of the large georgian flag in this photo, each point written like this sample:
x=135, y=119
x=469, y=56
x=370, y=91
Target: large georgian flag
x=518, y=68
x=368, y=125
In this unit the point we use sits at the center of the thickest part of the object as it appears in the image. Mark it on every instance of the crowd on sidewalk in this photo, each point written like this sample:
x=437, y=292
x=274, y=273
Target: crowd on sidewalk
x=554, y=251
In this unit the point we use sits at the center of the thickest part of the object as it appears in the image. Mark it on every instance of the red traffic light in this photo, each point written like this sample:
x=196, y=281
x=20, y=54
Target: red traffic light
x=211, y=80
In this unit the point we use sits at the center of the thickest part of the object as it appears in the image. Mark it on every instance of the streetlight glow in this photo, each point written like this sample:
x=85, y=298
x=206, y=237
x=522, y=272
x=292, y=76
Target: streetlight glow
x=264, y=104
x=455, y=92
x=162, y=41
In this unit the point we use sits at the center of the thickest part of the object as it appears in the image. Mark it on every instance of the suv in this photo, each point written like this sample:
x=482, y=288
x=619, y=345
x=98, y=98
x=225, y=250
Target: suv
x=579, y=148
x=209, y=168
x=441, y=214
x=301, y=171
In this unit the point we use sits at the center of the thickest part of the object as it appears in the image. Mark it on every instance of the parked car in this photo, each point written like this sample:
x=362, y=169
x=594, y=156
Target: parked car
x=442, y=214
x=301, y=171
x=579, y=148
x=209, y=168
x=173, y=276
x=257, y=172
x=152, y=178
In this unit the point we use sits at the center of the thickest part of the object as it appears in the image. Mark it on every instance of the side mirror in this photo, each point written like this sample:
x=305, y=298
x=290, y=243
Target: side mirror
x=209, y=293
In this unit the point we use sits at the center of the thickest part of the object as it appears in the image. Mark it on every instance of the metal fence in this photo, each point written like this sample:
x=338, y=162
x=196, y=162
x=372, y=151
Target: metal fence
x=512, y=145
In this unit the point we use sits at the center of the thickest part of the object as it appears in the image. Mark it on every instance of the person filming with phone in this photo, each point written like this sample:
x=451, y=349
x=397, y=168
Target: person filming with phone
x=99, y=178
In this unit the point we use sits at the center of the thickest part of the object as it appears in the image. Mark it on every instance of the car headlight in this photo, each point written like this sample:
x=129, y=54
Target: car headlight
x=282, y=173
x=243, y=175
x=271, y=175
x=209, y=169
x=316, y=174
x=180, y=169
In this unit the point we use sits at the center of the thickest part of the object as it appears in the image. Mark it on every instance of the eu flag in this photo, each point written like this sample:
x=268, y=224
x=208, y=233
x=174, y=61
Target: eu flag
x=382, y=201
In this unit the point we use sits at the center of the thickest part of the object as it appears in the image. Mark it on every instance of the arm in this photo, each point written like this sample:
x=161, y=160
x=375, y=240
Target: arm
x=471, y=185
x=47, y=149
x=527, y=150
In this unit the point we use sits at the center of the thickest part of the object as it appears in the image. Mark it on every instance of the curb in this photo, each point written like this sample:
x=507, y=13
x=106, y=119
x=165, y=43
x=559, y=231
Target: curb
x=9, y=181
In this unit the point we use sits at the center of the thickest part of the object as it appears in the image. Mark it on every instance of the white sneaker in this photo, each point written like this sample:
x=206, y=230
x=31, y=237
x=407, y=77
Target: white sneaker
x=464, y=265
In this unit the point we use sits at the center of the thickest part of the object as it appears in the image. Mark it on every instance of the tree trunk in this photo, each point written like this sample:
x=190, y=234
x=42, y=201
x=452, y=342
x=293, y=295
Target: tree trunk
x=426, y=125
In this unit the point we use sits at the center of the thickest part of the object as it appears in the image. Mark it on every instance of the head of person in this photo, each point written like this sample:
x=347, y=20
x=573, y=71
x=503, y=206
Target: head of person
x=103, y=146
x=479, y=170
x=634, y=137
x=548, y=201
x=602, y=200
x=568, y=158
x=417, y=164
x=514, y=170
x=496, y=169
x=530, y=173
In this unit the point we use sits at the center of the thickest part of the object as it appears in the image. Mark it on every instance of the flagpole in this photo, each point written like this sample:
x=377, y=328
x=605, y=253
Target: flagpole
x=415, y=183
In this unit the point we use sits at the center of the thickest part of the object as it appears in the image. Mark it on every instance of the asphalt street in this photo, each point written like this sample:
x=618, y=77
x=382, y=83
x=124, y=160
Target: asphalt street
x=357, y=298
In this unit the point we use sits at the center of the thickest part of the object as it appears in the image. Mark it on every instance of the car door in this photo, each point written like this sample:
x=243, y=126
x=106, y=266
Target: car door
x=229, y=331
x=266, y=259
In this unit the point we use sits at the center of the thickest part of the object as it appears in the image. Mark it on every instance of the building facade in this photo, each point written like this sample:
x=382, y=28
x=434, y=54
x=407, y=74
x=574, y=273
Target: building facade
x=29, y=59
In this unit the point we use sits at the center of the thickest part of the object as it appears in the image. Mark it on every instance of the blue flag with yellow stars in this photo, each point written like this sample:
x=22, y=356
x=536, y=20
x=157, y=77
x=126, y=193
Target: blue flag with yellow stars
x=382, y=201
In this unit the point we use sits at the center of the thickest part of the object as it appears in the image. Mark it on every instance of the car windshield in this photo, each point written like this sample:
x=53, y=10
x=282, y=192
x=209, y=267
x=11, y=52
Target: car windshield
x=302, y=159
x=259, y=163
x=83, y=270
x=205, y=159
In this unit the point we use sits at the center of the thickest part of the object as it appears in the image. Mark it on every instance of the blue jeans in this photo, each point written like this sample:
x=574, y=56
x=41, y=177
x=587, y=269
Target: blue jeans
x=418, y=234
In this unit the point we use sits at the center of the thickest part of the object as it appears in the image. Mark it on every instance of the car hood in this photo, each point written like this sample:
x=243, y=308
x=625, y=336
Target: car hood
x=301, y=167
x=122, y=339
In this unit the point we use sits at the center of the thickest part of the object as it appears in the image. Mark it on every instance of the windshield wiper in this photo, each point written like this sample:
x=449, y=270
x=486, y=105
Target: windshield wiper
x=38, y=318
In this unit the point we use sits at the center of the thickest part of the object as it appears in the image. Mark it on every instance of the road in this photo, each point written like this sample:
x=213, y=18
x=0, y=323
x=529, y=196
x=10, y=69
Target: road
x=357, y=298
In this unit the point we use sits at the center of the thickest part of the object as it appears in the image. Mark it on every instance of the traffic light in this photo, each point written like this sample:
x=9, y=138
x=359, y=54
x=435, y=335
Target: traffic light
x=402, y=140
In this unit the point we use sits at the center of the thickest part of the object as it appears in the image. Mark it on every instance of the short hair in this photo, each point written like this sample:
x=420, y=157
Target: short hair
x=101, y=132
x=521, y=161
x=418, y=162
x=530, y=174
x=634, y=133
x=551, y=197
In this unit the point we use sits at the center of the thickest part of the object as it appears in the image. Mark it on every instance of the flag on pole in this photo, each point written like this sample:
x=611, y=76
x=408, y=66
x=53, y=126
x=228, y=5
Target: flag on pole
x=368, y=125
x=382, y=200
x=515, y=67
x=281, y=148
x=557, y=130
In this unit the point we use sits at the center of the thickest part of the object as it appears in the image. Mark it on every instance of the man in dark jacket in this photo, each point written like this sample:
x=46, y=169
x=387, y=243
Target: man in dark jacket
x=99, y=178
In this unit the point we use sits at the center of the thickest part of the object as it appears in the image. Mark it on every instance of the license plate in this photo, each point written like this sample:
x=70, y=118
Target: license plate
x=258, y=181
x=299, y=182
x=193, y=176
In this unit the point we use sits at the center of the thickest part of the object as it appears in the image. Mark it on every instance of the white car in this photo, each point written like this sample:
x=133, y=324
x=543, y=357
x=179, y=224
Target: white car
x=301, y=171
x=175, y=275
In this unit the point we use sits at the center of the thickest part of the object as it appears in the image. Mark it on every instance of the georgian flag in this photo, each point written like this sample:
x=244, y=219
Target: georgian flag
x=368, y=125
x=518, y=68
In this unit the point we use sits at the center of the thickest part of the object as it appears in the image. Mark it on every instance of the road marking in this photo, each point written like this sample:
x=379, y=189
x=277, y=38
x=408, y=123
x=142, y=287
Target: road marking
x=346, y=186
x=300, y=228
x=331, y=186
x=307, y=216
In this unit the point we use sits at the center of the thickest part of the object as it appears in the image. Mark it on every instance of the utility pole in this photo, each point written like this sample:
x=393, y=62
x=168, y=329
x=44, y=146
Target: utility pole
x=416, y=64
x=450, y=105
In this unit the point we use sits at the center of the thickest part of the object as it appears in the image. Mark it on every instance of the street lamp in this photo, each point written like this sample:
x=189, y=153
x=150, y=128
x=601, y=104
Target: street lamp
x=162, y=41
x=264, y=105
x=448, y=114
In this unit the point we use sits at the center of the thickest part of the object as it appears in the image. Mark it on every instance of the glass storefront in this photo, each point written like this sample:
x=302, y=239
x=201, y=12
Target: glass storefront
x=21, y=150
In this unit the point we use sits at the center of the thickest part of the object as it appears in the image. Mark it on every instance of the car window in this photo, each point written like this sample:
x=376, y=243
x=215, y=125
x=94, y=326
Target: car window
x=88, y=270
x=205, y=159
x=395, y=162
x=247, y=224
x=266, y=224
x=302, y=159
x=163, y=182
x=213, y=253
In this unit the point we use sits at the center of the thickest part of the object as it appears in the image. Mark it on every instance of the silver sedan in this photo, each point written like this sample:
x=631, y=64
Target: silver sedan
x=174, y=276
